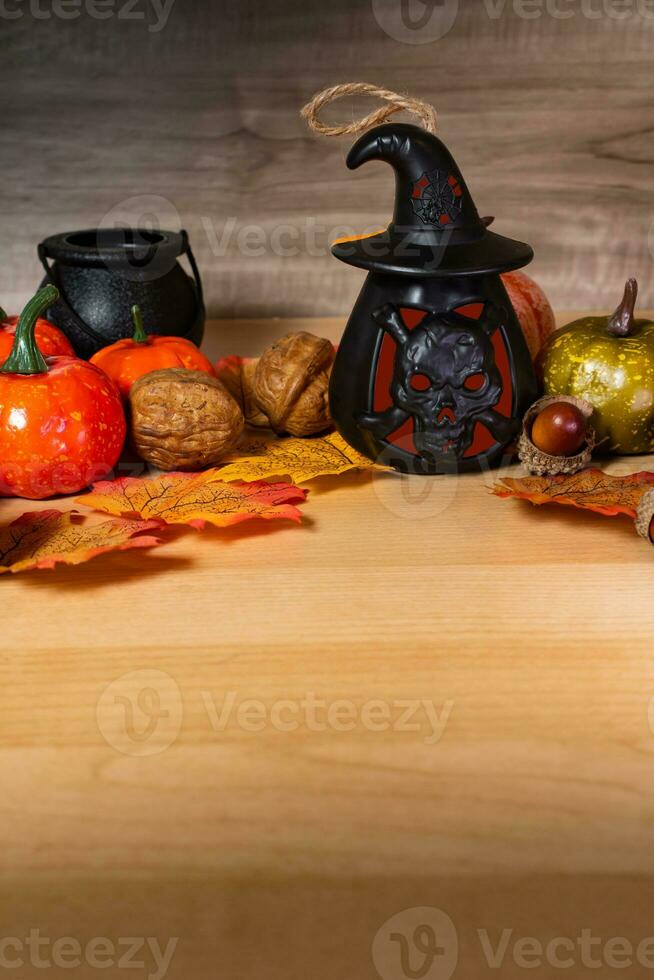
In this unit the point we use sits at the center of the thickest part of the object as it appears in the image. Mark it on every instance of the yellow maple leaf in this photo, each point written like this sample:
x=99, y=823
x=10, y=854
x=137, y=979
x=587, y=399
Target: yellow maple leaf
x=44, y=538
x=195, y=499
x=299, y=459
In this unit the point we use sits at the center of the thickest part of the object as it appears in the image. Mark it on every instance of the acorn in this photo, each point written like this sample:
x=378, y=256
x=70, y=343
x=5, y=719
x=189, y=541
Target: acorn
x=645, y=516
x=556, y=435
x=559, y=429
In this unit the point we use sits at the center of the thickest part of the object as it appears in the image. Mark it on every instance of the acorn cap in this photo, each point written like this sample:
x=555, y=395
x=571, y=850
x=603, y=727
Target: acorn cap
x=436, y=230
x=645, y=515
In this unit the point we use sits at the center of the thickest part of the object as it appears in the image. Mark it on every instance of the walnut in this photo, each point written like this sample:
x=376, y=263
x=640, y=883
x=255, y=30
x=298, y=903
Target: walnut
x=291, y=381
x=183, y=420
x=237, y=374
x=253, y=414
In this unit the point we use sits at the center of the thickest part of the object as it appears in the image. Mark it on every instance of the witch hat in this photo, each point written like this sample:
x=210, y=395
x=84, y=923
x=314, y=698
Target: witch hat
x=436, y=230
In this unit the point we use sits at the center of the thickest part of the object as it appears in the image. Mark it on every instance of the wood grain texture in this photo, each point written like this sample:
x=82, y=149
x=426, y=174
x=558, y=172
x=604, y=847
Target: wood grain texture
x=197, y=125
x=279, y=853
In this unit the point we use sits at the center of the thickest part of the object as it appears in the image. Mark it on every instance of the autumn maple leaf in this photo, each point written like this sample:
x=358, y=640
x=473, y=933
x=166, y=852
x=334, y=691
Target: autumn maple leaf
x=195, y=499
x=590, y=489
x=44, y=538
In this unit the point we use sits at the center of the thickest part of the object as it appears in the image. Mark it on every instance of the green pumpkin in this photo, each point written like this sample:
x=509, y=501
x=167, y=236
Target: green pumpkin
x=609, y=361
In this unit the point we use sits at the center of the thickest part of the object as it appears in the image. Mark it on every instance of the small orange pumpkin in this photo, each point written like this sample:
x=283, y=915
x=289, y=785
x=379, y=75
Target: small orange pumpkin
x=129, y=359
x=49, y=339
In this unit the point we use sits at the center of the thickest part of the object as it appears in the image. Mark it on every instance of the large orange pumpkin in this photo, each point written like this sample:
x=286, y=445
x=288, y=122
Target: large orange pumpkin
x=129, y=359
x=62, y=424
x=532, y=309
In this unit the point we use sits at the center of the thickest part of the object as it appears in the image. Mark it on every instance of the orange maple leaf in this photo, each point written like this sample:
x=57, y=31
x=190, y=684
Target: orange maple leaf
x=195, y=499
x=589, y=489
x=44, y=538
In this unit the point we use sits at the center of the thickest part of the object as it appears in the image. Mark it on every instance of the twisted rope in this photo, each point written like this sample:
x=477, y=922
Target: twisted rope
x=397, y=103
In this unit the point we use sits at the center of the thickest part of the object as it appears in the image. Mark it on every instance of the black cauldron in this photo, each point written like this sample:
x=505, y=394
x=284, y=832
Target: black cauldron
x=102, y=273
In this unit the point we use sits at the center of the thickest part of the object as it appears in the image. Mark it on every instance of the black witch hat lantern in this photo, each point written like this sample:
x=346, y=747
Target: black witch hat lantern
x=433, y=373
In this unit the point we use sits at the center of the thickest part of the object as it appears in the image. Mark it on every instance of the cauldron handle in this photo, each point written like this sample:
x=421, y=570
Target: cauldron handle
x=188, y=251
x=52, y=277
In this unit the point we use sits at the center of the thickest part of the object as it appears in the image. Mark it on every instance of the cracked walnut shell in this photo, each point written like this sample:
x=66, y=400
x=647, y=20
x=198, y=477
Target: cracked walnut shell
x=291, y=382
x=237, y=374
x=183, y=420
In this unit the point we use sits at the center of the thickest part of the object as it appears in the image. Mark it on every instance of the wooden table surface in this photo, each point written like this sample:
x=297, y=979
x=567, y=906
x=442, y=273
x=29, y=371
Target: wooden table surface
x=268, y=741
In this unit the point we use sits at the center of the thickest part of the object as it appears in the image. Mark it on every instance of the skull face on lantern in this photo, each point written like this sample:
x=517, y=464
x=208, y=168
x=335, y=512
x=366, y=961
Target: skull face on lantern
x=433, y=372
x=445, y=379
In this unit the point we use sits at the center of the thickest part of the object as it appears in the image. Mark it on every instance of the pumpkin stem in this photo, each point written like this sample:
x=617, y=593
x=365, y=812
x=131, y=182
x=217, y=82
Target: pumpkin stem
x=621, y=323
x=3, y=315
x=139, y=336
x=25, y=356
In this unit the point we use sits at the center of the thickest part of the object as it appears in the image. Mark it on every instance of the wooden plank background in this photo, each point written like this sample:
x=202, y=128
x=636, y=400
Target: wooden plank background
x=549, y=115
